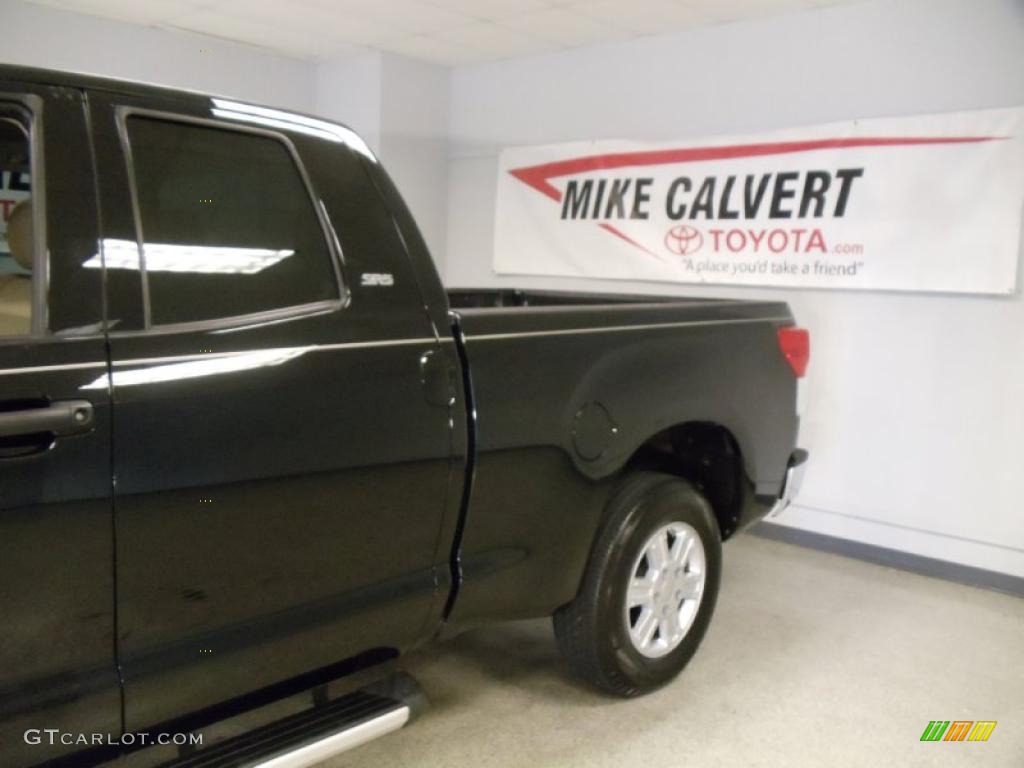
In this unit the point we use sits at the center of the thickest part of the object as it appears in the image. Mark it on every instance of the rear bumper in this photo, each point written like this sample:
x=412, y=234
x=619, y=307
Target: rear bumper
x=793, y=481
x=757, y=505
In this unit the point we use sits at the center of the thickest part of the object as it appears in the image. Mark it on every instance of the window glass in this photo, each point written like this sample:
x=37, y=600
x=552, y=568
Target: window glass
x=228, y=225
x=17, y=240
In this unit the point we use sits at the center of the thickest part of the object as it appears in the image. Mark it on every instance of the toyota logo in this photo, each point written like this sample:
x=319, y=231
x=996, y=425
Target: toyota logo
x=683, y=240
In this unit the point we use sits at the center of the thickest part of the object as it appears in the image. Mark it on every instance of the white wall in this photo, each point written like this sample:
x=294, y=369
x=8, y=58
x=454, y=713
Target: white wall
x=38, y=36
x=915, y=419
x=400, y=108
x=349, y=90
x=414, y=143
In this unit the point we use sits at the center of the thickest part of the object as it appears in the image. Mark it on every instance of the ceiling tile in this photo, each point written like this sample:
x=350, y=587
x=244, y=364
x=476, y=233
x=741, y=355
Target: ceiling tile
x=429, y=48
x=492, y=41
x=335, y=23
x=402, y=17
x=562, y=26
x=147, y=12
x=643, y=16
x=733, y=10
x=491, y=9
x=451, y=31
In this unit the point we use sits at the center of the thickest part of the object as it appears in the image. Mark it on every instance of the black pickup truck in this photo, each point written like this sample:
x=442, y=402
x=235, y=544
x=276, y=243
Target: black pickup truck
x=252, y=451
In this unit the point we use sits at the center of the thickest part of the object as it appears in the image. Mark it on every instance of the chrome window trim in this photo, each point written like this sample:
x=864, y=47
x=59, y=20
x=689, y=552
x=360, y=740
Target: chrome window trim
x=126, y=149
x=237, y=322
x=122, y=113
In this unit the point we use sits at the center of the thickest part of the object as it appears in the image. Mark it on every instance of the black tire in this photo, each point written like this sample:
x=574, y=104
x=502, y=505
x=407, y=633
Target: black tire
x=591, y=630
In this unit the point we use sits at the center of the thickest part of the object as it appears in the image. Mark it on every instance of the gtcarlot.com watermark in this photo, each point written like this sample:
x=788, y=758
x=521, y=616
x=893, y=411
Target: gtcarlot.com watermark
x=54, y=736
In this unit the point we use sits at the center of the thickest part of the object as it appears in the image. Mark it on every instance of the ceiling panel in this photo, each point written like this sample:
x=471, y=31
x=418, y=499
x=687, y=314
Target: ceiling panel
x=445, y=31
x=562, y=27
x=647, y=17
x=146, y=12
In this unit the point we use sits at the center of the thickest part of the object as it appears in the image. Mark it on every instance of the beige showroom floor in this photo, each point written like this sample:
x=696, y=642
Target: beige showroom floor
x=811, y=660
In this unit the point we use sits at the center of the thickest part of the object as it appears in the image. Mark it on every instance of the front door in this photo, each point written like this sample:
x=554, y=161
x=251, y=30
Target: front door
x=280, y=472
x=57, y=667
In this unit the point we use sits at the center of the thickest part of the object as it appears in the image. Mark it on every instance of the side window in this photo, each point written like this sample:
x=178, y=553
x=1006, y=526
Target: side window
x=228, y=225
x=17, y=238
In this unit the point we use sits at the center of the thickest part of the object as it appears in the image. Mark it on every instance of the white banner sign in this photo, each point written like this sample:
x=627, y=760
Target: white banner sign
x=930, y=203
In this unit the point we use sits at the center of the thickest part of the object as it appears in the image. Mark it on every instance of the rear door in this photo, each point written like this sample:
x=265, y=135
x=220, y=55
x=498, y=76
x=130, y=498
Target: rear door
x=56, y=538
x=280, y=472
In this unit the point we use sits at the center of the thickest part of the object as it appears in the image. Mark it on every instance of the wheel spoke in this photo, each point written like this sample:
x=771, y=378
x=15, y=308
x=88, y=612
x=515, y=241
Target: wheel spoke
x=645, y=628
x=681, y=551
x=671, y=627
x=691, y=585
x=641, y=592
x=657, y=553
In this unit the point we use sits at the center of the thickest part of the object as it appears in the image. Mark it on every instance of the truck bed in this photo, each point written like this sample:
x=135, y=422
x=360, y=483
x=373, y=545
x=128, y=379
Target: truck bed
x=565, y=388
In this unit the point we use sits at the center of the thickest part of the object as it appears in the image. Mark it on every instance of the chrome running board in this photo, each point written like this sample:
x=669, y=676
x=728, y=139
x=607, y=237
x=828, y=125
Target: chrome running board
x=313, y=735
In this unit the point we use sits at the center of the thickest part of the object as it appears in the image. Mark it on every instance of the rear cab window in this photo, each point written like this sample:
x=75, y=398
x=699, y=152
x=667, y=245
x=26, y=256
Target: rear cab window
x=227, y=224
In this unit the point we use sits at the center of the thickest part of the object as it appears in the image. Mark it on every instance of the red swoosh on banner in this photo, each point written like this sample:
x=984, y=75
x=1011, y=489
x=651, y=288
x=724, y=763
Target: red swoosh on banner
x=538, y=176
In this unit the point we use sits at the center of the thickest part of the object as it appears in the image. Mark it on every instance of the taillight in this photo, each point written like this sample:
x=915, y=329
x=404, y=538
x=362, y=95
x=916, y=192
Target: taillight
x=795, y=344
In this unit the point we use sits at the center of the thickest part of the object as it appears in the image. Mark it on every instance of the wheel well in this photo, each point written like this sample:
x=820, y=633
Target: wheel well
x=705, y=454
